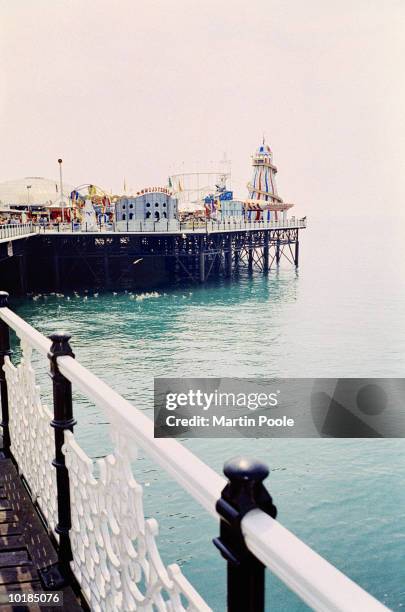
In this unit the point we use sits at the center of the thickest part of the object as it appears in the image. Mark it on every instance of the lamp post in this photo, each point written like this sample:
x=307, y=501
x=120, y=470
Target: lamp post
x=61, y=189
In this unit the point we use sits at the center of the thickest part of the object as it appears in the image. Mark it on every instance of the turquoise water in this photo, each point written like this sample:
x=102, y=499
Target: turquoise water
x=341, y=315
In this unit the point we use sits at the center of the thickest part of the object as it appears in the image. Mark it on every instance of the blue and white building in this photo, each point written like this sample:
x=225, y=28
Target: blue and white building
x=150, y=209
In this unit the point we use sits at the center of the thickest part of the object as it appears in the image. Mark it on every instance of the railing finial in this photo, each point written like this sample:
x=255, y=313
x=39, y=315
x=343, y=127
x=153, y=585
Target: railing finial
x=60, y=345
x=4, y=299
x=244, y=492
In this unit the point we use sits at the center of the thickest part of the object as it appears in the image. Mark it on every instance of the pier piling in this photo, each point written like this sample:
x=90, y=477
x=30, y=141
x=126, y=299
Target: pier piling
x=250, y=254
x=228, y=257
x=278, y=254
x=266, y=253
x=56, y=272
x=202, y=266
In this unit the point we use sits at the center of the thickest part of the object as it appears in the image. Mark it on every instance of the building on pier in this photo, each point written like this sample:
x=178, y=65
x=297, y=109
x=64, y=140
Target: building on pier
x=33, y=197
x=153, y=208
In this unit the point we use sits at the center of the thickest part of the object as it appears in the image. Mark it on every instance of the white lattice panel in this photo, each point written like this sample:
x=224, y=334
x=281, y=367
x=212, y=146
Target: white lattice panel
x=116, y=560
x=32, y=437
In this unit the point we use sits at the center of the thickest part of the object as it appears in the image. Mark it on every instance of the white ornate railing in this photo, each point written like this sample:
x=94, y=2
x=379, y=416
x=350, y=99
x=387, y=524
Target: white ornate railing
x=32, y=440
x=17, y=229
x=174, y=227
x=115, y=557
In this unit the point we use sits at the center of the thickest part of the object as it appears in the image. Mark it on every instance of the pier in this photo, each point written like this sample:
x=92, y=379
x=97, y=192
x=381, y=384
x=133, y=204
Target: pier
x=90, y=537
x=69, y=257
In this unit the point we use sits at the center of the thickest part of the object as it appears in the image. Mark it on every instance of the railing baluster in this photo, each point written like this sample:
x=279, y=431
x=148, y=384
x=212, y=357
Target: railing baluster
x=4, y=352
x=244, y=492
x=63, y=420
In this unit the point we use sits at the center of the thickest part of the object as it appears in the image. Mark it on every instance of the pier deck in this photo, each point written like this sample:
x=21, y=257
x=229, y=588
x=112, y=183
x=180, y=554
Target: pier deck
x=25, y=547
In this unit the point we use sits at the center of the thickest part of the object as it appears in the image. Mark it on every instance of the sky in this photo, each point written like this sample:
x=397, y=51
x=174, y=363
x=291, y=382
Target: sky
x=140, y=89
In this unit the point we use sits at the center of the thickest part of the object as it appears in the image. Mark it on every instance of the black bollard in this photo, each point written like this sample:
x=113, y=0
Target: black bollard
x=244, y=492
x=63, y=420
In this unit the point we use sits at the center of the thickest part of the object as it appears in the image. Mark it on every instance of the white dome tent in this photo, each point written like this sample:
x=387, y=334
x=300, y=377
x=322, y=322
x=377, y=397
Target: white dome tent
x=33, y=191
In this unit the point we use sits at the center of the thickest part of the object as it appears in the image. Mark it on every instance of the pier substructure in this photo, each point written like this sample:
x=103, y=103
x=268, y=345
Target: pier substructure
x=228, y=257
x=202, y=266
x=266, y=253
x=56, y=273
x=22, y=269
x=70, y=261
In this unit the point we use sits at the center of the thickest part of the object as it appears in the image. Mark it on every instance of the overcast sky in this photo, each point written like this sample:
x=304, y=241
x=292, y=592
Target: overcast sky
x=135, y=88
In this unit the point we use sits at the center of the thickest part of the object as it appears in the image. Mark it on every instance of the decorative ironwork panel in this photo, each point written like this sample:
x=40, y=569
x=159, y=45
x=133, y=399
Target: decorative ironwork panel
x=32, y=437
x=115, y=556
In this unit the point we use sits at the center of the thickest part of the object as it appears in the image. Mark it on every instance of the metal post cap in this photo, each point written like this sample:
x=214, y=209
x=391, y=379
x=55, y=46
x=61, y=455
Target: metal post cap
x=60, y=344
x=60, y=337
x=244, y=469
x=4, y=298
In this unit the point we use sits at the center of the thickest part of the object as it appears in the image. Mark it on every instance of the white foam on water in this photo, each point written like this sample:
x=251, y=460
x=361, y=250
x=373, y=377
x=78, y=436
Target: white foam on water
x=147, y=296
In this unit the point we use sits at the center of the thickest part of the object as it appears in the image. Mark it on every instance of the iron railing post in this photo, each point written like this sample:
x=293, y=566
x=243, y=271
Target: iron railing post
x=63, y=420
x=4, y=352
x=244, y=492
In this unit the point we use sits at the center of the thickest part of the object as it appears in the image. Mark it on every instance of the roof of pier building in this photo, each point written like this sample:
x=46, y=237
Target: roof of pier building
x=33, y=189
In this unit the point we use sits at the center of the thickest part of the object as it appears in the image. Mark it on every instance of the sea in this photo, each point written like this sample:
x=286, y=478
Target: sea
x=341, y=314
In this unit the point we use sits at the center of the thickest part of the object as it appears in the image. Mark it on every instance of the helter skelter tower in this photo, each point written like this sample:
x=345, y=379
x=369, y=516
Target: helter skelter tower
x=262, y=188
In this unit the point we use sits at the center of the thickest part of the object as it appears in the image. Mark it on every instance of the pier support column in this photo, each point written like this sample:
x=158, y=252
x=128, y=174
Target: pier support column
x=228, y=257
x=278, y=250
x=244, y=492
x=22, y=269
x=201, y=257
x=297, y=251
x=266, y=253
x=202, y=266
x=107, y=278
x=250, y=254
x=56, y=272
x=176, y=267
x=237, y=258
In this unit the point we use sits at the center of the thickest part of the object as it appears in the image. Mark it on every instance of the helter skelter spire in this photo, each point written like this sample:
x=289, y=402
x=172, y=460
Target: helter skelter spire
x=263, y=185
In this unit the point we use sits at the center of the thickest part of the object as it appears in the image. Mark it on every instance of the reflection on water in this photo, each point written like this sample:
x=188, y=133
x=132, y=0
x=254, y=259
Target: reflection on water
x=341, y=315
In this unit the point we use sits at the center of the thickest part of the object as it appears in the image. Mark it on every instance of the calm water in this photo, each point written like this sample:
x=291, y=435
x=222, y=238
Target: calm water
x=342, y=315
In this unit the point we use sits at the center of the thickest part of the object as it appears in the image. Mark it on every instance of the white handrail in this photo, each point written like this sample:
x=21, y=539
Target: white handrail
x=25, y=331
x=316, y=581
x=321, y=585
x=15, y=230
x=183, y=227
